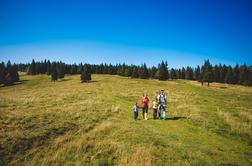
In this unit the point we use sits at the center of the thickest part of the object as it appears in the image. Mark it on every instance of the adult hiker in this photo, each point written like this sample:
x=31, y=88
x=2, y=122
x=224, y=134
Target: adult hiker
x=145, y=104
x=162, y=104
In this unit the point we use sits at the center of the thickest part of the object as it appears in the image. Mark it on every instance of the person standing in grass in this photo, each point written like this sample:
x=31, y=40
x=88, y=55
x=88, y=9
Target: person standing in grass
x=145, y=105
x=155, y=106
x=135, y=111
x=162, y=104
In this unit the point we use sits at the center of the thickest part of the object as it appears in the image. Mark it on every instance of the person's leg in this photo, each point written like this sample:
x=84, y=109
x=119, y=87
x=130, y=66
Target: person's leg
x=143, y=112
x=154, y=113
x=146, y=113
x=159, y=112
x=164, y=112
x=135, y=115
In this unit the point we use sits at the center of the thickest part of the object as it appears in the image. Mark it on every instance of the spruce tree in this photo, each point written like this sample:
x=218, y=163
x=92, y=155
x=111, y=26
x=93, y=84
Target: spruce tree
x=135, y=72
x=197, y=73
x=143, y=72
x=173, y=74
x=244, y=75
x=32, y=68
x=61, y=70
x=183, y=73
x=153, y=72
x=163, y=71
x=2, y=73
x=48, y=68
x=236, y=74
x=54, y=72
x=216, y=74
x=206, y=73
x=223, y=73
x=86, y=74
x=229, y=76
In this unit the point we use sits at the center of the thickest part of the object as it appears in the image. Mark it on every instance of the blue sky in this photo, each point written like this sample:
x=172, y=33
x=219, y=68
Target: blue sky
x=183, y=32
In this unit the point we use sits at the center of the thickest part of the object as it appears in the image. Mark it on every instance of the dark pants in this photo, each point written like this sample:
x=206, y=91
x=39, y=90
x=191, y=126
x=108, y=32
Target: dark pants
x=154, y=113
x=135, y=115
x=145, y=110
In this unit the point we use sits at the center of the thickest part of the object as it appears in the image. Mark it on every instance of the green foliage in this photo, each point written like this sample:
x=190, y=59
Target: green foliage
x=163, y=71
x=86, y=74
x=9, y=73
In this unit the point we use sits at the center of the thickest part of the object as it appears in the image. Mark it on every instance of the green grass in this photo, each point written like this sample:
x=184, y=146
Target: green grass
x=73, y=123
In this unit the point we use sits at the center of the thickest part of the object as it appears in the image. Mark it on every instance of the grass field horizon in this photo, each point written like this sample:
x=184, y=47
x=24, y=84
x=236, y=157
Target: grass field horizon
x=72, y=123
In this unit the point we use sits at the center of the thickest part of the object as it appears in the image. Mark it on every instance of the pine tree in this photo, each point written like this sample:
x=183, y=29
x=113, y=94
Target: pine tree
x=197, y=73
x=2, y=73
x=86, y=74
x=236, y=74
x=223, y=73
x=183, y=73
x=135, y=72
x=163, y=71
x=250, y=76
x=189, y=73
x=61, y=70
x=173, y=74
x=48, y=68
x=54, y=72
x=143, y=72
x=229, y=76
x=32, y=68
x=153, y=72
x=244, y=75
x=216, y=74
x=206, y=73
x=14, y=73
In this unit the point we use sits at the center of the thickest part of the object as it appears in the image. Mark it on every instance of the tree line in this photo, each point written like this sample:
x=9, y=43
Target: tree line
x=8, y=73
x=239, y=74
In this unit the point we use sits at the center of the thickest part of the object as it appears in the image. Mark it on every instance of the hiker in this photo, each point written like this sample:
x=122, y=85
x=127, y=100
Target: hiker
x=155, y=106
x=135, y=111
x=145, y=103
x=162, y=104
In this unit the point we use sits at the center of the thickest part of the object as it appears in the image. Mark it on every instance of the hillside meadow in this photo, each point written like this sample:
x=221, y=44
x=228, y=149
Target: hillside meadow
x=72, y=123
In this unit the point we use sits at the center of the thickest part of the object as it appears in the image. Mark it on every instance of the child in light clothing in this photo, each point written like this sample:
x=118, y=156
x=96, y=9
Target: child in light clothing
x=135, y=111
x=155, y=106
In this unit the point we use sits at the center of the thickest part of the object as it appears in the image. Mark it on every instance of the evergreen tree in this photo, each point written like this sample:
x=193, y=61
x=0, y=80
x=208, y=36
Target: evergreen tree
x=54, y=72
x=216, y=74
x=153, y=72
x=32, y=68
x=183, y=73
x=143, y=72
x=189, y=73
x=244, y=75
x=223, y=73
x=206, y=73
x=229, y=76
x=236, y=74
x=48, y=68
x=135, y=72
x=163, y=71
x=2, y=73
x=61, y=70
x=173, y=74
x=86, y=74
x=197, y=73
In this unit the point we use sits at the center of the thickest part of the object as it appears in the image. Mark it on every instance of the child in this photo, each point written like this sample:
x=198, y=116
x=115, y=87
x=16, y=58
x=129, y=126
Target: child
x=155, y=106
x=135, y=111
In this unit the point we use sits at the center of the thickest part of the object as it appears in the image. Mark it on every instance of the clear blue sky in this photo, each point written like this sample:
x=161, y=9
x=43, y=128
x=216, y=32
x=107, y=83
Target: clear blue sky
x=183, y=32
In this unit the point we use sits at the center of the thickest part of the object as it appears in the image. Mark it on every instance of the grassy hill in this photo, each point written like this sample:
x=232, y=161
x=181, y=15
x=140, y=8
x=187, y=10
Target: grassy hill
x=73, y=123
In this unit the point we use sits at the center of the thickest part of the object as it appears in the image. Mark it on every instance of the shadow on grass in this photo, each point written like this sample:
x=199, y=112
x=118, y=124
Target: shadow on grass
x=87, y=82
x=177, y=118
x=14, y=84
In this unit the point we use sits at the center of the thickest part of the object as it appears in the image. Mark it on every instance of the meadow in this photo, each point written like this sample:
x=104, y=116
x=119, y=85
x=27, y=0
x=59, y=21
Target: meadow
x=72, y=123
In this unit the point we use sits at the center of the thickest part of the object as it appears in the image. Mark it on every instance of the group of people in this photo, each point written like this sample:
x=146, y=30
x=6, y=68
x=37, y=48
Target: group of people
x=158, y=105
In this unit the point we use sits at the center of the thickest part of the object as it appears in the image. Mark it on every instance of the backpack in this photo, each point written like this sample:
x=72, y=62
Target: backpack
x=162, y=98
